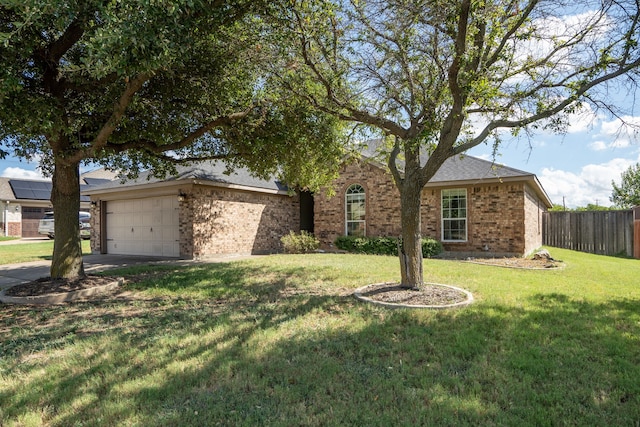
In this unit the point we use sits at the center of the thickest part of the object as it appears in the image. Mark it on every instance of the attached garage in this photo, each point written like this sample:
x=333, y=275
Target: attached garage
x=204, y=211
x=146, y=226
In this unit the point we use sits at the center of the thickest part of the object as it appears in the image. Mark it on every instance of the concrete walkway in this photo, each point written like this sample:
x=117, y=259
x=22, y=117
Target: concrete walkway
x=24, y=240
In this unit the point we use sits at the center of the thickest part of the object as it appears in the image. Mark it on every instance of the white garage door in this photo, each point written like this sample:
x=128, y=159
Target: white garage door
x=147, y=226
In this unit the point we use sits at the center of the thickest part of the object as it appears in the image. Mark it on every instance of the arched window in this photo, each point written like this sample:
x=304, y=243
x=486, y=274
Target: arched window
x=355, y=211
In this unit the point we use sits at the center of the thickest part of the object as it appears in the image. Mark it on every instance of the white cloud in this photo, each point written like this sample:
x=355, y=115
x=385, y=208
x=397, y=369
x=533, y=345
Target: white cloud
x=591, y=185
x=582, y=120
x=622, y=132
x=19, y=173
x=598, y=146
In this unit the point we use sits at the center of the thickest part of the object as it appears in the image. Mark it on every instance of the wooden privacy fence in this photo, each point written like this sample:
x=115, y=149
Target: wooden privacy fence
x=636, y=232
x=597, y=232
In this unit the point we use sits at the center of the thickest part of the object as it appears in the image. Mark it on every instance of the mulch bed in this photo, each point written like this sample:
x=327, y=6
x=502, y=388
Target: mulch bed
x=47, y=286
x=530, y=263
x=429, y=294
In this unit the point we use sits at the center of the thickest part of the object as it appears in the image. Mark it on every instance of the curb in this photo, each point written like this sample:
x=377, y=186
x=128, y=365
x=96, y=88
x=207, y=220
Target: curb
x=358, y=293
x=60, y=298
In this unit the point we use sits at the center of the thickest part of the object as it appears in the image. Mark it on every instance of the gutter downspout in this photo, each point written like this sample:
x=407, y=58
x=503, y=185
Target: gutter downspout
x=6, y=219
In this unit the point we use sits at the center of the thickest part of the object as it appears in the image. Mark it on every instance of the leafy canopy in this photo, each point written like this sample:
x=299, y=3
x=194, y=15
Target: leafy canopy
x=627, y=194
x=137, y=85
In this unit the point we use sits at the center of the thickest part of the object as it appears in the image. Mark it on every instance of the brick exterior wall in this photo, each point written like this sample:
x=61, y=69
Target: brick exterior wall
x=94, y=239
x=382, y=204
x=224, y=221
x=14, y=229
x=502, y=218
x=495, y=220
x=533, y=210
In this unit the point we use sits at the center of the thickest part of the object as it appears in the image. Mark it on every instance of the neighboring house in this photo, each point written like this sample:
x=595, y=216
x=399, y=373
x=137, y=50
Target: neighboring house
x=473, y=206
x=199, y=213
x=23, y=202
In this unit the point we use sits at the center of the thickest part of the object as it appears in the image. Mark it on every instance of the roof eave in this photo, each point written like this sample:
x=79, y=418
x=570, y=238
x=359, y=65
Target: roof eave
x=531, y=178
x=178, y=183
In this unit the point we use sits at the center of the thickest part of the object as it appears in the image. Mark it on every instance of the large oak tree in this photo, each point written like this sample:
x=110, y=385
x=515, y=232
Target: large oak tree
x=140, y=85
x=438, y=77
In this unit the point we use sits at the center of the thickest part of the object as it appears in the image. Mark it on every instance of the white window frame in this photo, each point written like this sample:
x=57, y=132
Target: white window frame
x=349, y=197
x=456, y=192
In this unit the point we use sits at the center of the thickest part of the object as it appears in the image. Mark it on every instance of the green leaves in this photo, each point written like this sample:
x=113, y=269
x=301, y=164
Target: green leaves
x=144, y=84
x=627, y=194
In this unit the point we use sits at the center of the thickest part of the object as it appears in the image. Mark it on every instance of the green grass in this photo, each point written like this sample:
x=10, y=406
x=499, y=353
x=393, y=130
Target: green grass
x=280, y=341
x=36, y=251
x=7, y=238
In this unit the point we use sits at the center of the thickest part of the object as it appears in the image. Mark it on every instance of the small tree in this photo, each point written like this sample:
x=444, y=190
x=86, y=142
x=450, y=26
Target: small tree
x=627, y=195
x=438, y=77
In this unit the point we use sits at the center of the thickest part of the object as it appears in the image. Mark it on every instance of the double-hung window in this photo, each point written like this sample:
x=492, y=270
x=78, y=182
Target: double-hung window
x=355, y=210
x=454, y=215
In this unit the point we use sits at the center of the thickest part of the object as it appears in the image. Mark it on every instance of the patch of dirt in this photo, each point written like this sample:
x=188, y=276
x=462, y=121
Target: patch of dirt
x=515, y=262
x=48, y=285
x=435, y=295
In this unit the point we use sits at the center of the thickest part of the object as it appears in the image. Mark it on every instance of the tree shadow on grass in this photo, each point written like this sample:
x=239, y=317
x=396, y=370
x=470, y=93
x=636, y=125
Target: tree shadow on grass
x=226, y=281
x=289, y=358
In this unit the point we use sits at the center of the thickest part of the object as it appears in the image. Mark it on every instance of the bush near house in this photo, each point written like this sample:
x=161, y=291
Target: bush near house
x=302, y=243
x=383, y=245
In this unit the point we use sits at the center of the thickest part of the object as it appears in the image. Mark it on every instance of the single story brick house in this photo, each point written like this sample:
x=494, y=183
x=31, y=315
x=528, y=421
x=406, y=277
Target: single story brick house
x=471, y=205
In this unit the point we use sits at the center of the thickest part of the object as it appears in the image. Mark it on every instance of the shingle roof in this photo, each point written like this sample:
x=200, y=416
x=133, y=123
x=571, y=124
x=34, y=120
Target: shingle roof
x=100, y=173
x=456, y=168
x=469, y=168
x=205, y=171
x=5, y=190
x=464, y=169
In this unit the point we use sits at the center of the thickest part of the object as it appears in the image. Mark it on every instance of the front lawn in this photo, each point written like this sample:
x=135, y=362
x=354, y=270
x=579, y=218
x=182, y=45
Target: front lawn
x=32, y=251
x=280, y=341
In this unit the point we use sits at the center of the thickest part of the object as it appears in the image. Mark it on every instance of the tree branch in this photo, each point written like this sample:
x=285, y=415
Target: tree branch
x=580, y=92
x=101, y=140
x=157, y=150
x=393, y=167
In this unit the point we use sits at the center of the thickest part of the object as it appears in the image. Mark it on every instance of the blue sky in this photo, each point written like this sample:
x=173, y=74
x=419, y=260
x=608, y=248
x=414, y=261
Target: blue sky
x=576, y=168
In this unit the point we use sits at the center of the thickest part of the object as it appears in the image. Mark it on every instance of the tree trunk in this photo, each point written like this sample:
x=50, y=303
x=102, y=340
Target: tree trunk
x=411, y=246
x=65, y=197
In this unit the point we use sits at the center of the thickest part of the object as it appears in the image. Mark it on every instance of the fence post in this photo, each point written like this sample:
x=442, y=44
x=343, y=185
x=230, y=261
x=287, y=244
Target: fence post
x=636, y=232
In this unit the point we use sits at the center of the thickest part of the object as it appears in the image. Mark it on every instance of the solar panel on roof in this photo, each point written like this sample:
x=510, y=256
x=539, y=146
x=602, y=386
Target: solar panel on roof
x=96, y=181
x=34, y=190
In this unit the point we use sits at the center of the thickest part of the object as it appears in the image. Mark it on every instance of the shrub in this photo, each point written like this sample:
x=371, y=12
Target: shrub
x=431, y=247
x=302, y=243
x=383, y=245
